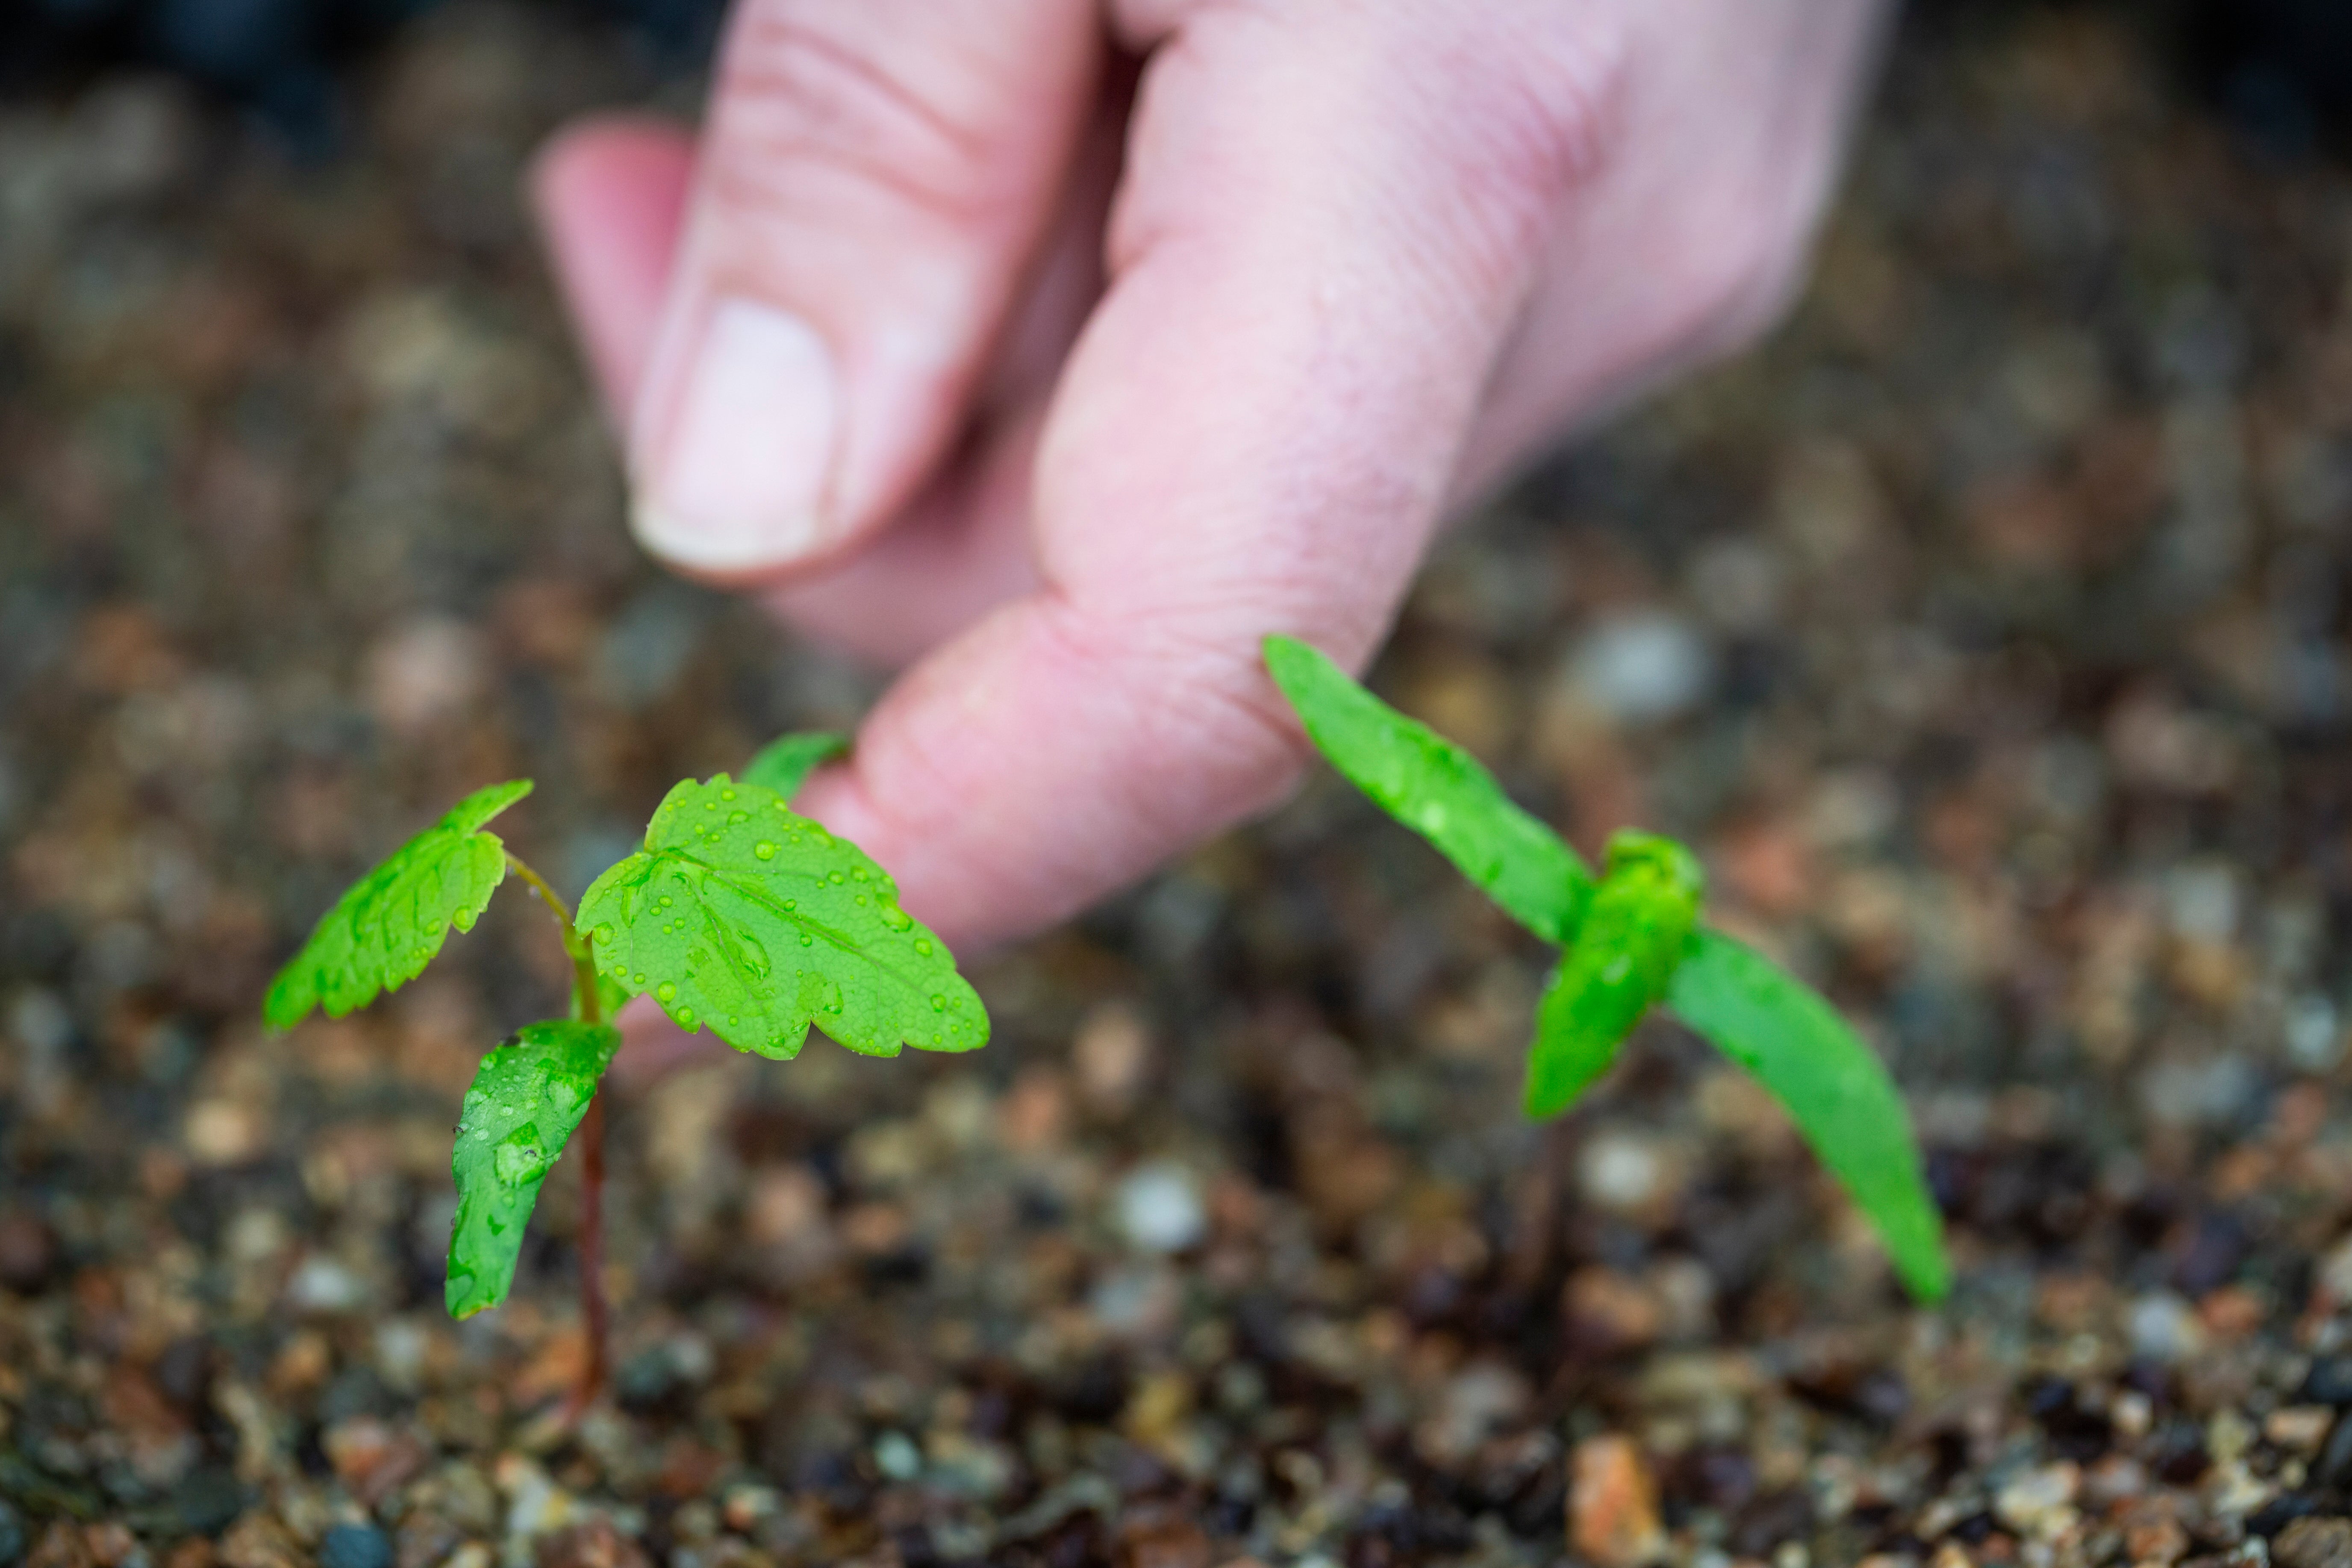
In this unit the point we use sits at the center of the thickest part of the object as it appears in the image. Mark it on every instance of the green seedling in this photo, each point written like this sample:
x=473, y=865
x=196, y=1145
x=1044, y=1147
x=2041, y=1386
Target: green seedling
x=738, y=915
x=1631, y=942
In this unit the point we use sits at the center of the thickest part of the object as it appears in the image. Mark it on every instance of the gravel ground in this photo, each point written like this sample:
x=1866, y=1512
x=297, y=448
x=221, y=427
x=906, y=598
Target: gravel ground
x=1983, y=629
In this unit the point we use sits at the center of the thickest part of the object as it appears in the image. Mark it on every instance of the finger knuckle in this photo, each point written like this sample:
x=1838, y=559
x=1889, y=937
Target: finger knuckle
x=807, y=98
x=1552, y=109
x=1526, y=115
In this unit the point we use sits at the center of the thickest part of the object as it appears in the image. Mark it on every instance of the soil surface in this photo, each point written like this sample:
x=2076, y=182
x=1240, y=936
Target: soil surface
x=1983, y=629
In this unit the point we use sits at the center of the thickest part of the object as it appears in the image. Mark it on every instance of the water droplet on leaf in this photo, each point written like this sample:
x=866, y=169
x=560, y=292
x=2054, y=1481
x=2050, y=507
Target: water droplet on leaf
x=519, y=1160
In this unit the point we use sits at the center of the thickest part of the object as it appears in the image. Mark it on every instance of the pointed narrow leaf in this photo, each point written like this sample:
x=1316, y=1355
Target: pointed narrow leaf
x=1834, y=1086
x=1634, y=933
x=741, y=914
x=385, y=930
x=527, y=1097
x=1438, y=790
x=785, y=764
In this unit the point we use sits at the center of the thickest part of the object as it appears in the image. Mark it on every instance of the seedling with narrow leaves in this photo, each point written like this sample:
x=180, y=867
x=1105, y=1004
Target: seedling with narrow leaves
x=1631, y=941
x=738, y=915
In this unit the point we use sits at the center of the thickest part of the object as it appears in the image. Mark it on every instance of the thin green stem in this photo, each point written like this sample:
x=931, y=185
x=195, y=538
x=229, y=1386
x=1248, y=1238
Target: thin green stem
x=575, y=947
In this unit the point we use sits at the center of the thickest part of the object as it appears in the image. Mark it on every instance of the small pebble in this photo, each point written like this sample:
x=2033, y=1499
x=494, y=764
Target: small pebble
x=1612, y=1504
x=1641, y=667
x=2315, y=1542
x=2299, y=1428
x=1160, y=1208
x=322, y=1284
x=1113, y=1055
x=895, y=1455
x=2164, y=1328
x=354, y=1546
x=2329, y=1381
x=2333, y=1468
x=28, y=1251
x=2039, y=1503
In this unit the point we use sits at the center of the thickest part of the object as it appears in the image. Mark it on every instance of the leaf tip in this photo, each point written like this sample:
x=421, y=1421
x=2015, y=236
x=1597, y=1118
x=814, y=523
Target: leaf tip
x=1287, y=660
x=1925, y=1272
x=1540, y=1101
x=285, y=1007
x=470, y=814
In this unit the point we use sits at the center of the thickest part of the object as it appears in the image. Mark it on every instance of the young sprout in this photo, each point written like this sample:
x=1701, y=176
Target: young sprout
x=737, y=915
x=1631, y=942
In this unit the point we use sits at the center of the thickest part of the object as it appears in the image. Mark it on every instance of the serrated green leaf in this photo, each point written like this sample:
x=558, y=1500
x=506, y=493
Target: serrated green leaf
x=1438, y=790
x=740, y=915
x=1633, y=934
x=382, y=933
x=784, y=765
x=1834, y=1088
x=528, y=1097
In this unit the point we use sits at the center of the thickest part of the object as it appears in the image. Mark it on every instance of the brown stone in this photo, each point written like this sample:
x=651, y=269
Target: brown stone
x=2299, y=1428
x=62, y=1545
x=257, y=1541
x=2151, y=1533
x=1035, y=1112
x=1768, y=867
x=2315, y=1542
x=1161, y=1538
x=1610, y=1311
x=372, y=1458
x=1612, y=1504
x=28, y=1251
x=2233, y=1312
x=595, y=1545
x=688, y=1469
x=1113, y=1054
x=110, y=1542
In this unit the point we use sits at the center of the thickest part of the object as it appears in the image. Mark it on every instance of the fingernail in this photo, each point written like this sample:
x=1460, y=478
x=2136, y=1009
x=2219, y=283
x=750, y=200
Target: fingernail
x=734, y=473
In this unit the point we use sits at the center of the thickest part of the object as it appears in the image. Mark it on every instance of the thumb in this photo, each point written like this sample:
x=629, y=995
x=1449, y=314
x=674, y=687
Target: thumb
x=872, y=181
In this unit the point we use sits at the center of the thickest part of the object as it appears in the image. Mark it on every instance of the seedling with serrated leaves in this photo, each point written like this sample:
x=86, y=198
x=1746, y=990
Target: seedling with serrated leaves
x=1631, y=941
x=737, y=915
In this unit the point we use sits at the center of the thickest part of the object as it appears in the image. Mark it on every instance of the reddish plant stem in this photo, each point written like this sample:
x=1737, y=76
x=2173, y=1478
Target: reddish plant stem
x=590, y=1140
x=592, y=1311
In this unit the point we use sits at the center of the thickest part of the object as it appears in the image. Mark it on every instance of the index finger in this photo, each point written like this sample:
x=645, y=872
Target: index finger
x=1327, y=225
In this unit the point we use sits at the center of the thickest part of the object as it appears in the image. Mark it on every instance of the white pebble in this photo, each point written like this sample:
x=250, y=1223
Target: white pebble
x=1160, y=1208
x=1641, y=666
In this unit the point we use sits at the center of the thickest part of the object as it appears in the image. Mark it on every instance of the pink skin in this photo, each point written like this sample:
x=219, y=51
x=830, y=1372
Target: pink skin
x=1060, y=380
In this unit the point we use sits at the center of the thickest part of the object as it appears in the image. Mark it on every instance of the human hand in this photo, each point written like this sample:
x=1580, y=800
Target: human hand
x=972, y=343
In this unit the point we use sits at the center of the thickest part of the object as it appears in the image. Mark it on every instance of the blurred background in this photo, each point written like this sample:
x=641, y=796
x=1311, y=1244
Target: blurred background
x=2279, y=67
x=1985, y=628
